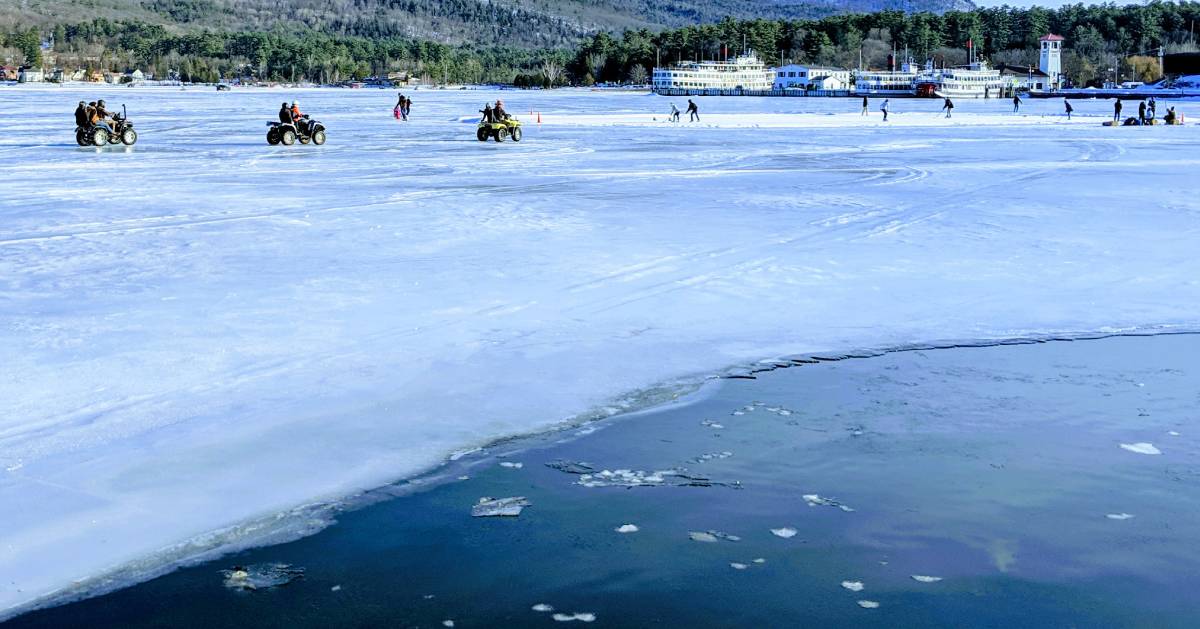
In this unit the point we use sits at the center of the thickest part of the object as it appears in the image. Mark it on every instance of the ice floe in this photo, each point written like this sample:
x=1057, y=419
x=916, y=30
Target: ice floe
x=785, y=532
x=1141, y=448
x=492, y=507
x=711, y=536
x=853, y=586
x=925, y=579
x=261, y=576
x=712, y=424
x=447, y=623
x=512, y=465
x=336, y=588
x=868, y=604
x=675, y=477
x=1120, y=516
x=738, y=566
x=760, y=560
x=627, y=528
x=542, y=608
x=582, y=617
x=814, y=500
x=711, y=456
x=1173, y=433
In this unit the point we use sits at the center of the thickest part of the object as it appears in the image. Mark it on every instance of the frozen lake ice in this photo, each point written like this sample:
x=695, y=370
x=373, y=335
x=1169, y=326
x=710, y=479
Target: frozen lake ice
x=202, y=334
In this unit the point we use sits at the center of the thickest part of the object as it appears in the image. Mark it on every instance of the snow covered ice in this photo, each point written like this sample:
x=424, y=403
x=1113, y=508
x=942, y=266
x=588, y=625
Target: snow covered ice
x=202, y=332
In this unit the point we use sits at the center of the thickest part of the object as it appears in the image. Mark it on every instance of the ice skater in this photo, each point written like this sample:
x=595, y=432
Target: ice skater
x=1016, y=103
x=948, y=106
x=674, y=113
x=693, y=112
x=884, y=109
x=1068, y=107
x=865, y=104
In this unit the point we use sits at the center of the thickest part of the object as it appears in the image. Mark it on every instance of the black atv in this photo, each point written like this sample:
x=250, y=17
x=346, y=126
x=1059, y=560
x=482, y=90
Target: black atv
x=95, y=135
x=306, y=130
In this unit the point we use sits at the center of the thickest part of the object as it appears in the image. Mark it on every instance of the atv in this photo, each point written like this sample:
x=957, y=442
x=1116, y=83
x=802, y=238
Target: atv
x=306, y=130
x=95, y=135
x=508, y=128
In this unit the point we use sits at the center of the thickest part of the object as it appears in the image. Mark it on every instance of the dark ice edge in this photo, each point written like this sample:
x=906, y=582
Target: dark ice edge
x=311, y=518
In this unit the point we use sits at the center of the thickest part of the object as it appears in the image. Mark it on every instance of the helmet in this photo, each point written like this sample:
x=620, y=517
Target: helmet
x=284, y=104
x=100, y=102
x=293, y=103
x=81, y=103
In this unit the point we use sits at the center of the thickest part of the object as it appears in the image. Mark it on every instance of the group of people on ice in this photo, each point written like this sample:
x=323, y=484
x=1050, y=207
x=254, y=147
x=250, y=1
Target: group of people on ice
x=693, y=112
x=403, y=107
x=93, y=114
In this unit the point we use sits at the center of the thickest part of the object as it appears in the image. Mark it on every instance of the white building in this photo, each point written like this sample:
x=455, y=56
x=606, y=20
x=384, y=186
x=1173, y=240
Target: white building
x=744, y=72
x=31, y=75
x=1050, y=60
x=797, y=77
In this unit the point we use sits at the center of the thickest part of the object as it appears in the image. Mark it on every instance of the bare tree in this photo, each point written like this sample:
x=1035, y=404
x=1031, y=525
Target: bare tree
x=596, y=62
x=552, y=70
x=638, y=74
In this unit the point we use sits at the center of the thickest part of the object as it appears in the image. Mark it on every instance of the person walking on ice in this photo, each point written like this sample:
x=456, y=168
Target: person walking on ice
x=693, y=112
x=884, y=109
x=865, y=103
x=1016, y=103
x=674, y=113
x=1117, y=111
x=1069, y=108
x=948, y=106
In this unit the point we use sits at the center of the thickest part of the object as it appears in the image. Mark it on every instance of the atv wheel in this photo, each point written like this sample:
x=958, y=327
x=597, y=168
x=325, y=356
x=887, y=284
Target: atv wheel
x=516, y=134
x=318, y=137
x=501, y=134
x=99, y=137
x=129, y=137
x=273, y=137
x=288, y=137
x=81, y=137
x=482, y=134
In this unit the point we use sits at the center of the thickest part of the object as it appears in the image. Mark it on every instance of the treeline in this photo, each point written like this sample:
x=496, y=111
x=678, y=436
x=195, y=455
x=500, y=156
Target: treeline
x=1097, y=36
x=210, y=56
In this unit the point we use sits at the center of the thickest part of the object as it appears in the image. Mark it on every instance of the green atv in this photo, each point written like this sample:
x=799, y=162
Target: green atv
x=501, y=131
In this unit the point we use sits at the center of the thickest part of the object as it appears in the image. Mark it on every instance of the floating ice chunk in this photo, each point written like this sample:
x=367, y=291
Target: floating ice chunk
x=464, y=477
x=736, y=413
x=542, y=608
x=261, y=576
x=920, y=578
x=784, y=412
x=493, y=507
x=336, y=588
x=868, y=604
x=428, y=597
x=1120, y=516
x=515, y=465
x=676, y=477
x=785, y=532
x=1141, y=448
x=1172, y=433
x=627, y=528
x=814, y=500
x=853, y=586
x=759, y=560
x=447, y=623
x=701, y=536
x=711, y=456
x=582, y=617
x=712, y=424
x=738, y=566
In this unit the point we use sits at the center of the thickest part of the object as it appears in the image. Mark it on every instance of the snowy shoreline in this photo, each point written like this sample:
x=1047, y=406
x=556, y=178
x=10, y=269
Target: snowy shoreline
x=202, y=330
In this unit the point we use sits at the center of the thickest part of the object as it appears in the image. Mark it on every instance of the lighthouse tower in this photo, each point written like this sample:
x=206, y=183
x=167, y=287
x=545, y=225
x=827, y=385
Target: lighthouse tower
x=1050, y=61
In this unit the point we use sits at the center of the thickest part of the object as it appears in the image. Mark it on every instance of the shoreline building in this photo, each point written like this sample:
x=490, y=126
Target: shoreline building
x=798, y=77
x=744, y=72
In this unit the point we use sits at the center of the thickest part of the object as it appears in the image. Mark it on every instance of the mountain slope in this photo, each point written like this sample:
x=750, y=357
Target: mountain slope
x=512, y=22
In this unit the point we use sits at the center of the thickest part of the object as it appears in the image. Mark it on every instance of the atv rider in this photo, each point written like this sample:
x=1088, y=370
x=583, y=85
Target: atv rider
x=498, y=113
x=488, y=116
x=300, y=119
x=285, y=114
x=82, y=119
x=100, y=115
